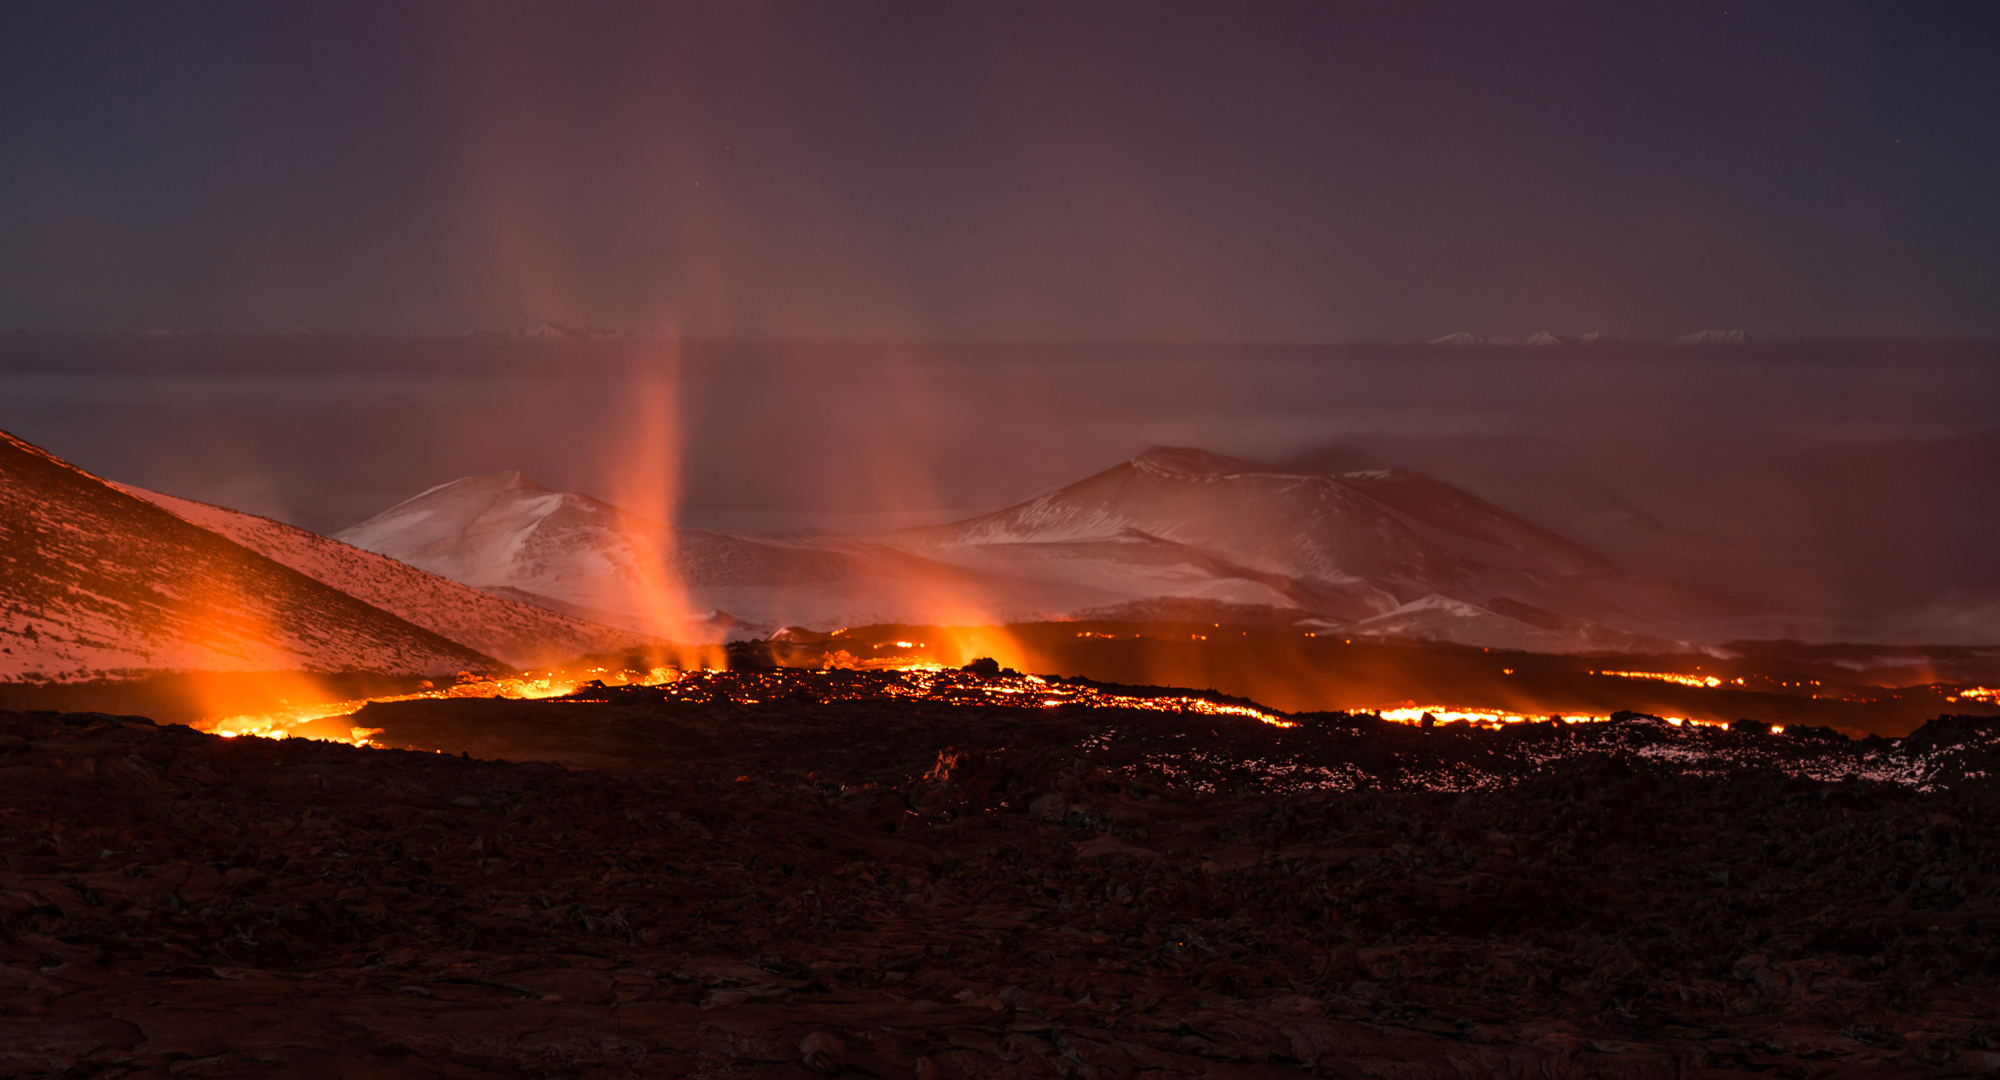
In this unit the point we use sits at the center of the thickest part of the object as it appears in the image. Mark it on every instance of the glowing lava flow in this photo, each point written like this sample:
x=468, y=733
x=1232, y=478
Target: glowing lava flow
x=324, y=720
x=925, y=680
x=1054, y=695
x=1451, y=714
x=319, y=720
x=1667, y=676
x=947, y=686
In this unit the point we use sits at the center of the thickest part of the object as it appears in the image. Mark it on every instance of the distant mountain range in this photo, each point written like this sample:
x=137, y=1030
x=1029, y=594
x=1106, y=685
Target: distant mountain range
x=1378, y=552
x=1381, y=552
x=1544, y=338
x=496, y=570
x=511, y=537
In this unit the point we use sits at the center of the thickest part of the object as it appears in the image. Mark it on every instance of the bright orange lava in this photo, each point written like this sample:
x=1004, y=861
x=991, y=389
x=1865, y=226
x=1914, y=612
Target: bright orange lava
x=900, y=677
x=287, y=721
x=1453, y=714
x=1668, y=676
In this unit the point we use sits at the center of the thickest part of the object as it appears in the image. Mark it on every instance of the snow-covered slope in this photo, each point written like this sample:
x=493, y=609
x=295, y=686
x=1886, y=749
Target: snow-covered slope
x=1351, y=548
x=504, y=531
x=95, y=580
x=1386, y=551
x=1306, y=527
x=1471, y=527
x=523, y=635
x=509, y=535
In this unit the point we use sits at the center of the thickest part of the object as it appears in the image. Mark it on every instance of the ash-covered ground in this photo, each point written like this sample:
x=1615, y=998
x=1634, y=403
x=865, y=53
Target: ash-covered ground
x=900, y=877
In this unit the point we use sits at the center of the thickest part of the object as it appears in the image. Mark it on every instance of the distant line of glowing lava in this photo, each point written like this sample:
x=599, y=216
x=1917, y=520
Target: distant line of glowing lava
x=1709, y=681
x=1452, y=714
x=925, y=680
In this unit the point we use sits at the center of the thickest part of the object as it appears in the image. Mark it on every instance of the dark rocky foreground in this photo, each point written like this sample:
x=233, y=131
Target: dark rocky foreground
x=910, y=888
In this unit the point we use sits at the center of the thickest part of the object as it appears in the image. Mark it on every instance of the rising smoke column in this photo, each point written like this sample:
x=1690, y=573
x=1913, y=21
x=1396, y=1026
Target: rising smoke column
x=643, y=463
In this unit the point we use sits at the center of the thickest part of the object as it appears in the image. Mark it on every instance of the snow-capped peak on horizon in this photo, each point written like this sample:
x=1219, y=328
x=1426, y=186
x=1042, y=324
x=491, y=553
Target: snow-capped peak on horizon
x=1714, y=337
x=1194, y=461
x=505, y=480
x=448, y=514
x=476, y=529
x=1172, y=522
x=1539, y=337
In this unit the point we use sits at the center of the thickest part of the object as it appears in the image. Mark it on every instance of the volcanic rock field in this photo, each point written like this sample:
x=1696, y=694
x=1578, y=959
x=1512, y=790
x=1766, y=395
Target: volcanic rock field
x=869, y=874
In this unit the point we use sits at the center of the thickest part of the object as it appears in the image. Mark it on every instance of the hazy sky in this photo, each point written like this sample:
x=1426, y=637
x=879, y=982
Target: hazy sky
x=1229, y=171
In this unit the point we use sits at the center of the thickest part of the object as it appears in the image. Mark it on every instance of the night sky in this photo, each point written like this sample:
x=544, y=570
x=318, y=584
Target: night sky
x=1003, y=171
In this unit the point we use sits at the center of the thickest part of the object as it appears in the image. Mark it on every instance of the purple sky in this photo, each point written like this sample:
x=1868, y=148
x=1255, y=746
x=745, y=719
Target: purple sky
x=1058, y=233
x=1003, y=171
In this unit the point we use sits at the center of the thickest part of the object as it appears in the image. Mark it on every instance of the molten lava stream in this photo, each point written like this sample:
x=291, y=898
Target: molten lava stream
x=327, y=719
x=1452, y=714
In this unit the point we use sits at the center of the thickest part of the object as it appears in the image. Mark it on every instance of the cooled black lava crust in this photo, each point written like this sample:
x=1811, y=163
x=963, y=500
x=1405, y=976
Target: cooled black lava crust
x=905, y=888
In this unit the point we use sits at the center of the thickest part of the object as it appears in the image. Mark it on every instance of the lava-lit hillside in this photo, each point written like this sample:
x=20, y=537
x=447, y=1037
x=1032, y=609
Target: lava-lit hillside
x=98, y=580
x=507, y=630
